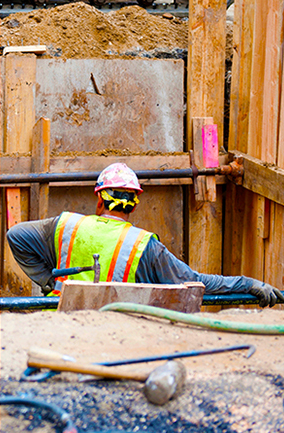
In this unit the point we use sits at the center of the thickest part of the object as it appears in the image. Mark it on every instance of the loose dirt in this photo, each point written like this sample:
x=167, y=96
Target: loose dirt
x=79, y=30
x=224, y=392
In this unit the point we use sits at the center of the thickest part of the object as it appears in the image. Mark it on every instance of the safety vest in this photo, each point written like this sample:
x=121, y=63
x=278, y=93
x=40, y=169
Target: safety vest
x=119, y=245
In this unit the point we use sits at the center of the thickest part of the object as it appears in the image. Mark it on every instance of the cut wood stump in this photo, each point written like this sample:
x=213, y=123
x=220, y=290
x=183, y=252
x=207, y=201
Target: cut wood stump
x=83, y=295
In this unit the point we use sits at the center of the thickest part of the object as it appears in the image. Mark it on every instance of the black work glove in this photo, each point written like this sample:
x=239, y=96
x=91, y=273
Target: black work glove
x=266, y=294
x=48, y=287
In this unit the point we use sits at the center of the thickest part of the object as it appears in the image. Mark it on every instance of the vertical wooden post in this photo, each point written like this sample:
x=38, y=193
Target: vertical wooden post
x=18, y=122
x=241, y=74
x=272, y=76
x=257, y=80
x=40, y=164
x=205, y=97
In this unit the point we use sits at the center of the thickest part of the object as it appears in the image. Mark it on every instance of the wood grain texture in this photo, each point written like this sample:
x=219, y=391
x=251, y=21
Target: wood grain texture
x=241, y=74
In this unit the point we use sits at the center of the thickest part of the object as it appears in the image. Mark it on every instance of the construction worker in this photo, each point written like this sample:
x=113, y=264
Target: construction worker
x=126, y=253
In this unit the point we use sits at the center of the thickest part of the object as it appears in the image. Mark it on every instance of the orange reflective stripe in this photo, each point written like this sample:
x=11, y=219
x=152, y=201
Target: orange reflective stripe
x=60, y=236
x=116, y=251
x=72, y=239
x=132, y=255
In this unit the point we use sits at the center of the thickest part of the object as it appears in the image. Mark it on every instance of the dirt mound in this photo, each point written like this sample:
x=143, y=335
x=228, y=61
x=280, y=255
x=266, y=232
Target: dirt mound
x=79, y=30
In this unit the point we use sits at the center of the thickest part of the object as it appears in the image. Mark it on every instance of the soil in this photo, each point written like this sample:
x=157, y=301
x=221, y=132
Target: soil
x=223, y=392
x=79, y=30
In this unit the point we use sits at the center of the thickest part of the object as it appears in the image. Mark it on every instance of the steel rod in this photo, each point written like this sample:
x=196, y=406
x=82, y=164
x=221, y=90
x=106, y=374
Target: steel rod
x=93, y=175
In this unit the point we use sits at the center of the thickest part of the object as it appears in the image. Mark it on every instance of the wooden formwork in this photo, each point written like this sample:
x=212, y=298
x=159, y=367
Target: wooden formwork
x=254, y=218
x=242, y=237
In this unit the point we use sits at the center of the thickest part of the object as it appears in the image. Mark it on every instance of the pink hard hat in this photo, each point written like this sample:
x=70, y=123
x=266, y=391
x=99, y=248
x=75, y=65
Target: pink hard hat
x=118, y=175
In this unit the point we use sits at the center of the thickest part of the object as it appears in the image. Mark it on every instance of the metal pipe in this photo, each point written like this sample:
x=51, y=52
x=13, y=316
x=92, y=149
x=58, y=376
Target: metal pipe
x=93, y=175
x=42, y=302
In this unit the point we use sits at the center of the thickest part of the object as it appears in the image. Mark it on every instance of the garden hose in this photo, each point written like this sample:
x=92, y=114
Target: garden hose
x=194, y=319
x=26, y=401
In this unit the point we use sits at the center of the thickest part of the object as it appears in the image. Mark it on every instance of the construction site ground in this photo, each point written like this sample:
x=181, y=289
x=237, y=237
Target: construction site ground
x=223, y=392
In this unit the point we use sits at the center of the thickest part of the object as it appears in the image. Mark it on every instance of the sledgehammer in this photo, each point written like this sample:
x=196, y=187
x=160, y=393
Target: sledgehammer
x=163, y=383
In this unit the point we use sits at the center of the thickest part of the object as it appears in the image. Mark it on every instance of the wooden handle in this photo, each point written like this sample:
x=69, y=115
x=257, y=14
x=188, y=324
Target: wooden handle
x=38, y=352
x=78, y=367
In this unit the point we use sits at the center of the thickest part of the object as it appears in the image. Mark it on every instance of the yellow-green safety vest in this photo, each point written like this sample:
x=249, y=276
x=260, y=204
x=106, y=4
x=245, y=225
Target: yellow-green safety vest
x=119, y=244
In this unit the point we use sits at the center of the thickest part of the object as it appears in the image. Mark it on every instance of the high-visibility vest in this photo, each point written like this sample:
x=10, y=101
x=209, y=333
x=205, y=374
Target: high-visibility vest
x=119, y=244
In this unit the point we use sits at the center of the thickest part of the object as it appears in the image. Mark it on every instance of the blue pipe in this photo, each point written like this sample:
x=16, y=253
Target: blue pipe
x=42, y=302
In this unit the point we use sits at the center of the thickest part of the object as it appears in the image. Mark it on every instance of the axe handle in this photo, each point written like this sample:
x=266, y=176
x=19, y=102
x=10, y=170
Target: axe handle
x=83, y=368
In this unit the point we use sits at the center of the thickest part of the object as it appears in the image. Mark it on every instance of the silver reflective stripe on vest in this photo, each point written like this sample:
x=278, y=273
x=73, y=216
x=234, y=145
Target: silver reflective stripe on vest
x=124, y=253
x=68, y=230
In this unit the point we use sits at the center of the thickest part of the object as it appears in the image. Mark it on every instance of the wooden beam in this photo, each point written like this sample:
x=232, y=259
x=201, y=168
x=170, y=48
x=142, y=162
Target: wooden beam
x=40, y=164
x=257, y=79
x=206, y=63
x=36, y=49
x=241, y=74
x=262, y=178
x=272, y=76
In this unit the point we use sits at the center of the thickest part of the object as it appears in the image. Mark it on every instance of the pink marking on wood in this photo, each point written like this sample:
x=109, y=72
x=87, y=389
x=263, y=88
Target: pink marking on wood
x=210, y=146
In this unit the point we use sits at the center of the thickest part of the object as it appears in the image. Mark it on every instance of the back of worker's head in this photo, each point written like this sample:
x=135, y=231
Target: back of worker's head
x=119, y=187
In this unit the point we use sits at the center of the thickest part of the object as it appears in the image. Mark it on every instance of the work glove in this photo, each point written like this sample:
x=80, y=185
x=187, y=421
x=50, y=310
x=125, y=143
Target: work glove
x=266, y=294
x=48, y=287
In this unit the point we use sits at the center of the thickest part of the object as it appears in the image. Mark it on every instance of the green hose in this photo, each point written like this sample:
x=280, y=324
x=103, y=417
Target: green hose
x=193, y=319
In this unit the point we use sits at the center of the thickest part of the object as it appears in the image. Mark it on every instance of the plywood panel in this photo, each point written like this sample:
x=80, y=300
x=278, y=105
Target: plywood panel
x=160, y=210
x=139, y=105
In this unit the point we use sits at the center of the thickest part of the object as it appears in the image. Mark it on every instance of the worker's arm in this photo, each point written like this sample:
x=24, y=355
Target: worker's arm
x=158, y=265
x=32, y=245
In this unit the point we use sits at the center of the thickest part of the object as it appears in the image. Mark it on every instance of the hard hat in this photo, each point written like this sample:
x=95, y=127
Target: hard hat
x=118, y=175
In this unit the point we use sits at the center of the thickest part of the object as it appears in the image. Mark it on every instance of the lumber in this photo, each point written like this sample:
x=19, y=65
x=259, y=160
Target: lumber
x=261, y=178
x=83, y=295
x=40, y=164
x=241, y=74
x=13, y=206
x=257, y=79
x=272, y=76
x=36, y=49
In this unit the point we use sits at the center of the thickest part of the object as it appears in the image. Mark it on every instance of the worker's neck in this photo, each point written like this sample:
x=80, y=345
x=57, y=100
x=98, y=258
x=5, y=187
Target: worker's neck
x=115, y=215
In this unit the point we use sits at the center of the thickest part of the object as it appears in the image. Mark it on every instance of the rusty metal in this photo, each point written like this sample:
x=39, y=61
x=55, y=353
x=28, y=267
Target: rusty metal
x=194, y=172
x=235, y=170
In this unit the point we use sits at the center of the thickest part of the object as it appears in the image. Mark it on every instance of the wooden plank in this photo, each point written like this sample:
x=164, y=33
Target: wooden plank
x=13, y=206
x=263, y=218
x=36, y=49
x=241, y=74
x=82, y=295
x=206, y=63
x=19, y=108
x=1, y=107
x=274, y=251
x=40, y=164
x=60, y=164
x=233, y=230
x=261, y=178
x=197, y=125
x=272, y=74
x=257, y=79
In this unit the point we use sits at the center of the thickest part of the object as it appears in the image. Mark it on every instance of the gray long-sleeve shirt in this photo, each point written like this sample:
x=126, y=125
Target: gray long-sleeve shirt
x=32, y=244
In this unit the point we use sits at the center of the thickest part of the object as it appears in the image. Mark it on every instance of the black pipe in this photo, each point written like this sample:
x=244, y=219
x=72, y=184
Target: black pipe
x=42, y=302
x=93, y=175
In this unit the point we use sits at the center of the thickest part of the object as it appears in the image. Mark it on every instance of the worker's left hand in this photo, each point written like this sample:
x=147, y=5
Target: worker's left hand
x=266, y=294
